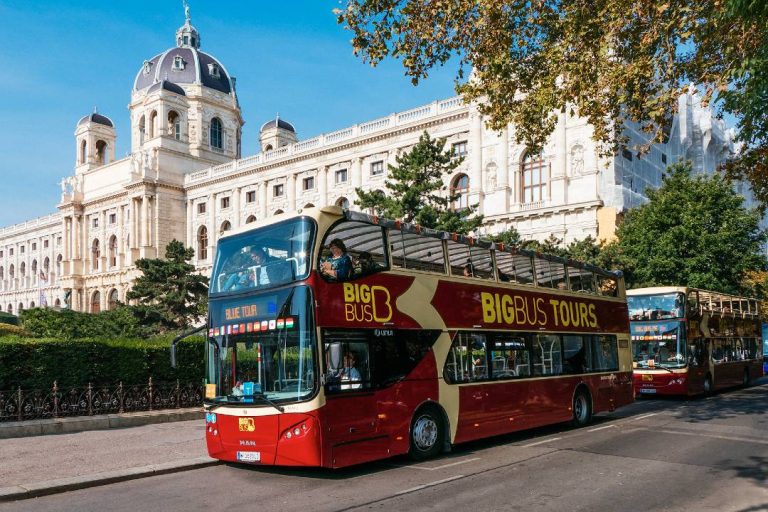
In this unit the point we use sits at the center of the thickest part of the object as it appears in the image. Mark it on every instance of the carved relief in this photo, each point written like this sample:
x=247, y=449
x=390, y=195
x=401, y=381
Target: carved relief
x=577, y=160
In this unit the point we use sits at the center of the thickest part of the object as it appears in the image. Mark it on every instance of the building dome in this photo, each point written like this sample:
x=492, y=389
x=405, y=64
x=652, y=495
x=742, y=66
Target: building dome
x=96, y=118
x=185, y=64
x=277, y=122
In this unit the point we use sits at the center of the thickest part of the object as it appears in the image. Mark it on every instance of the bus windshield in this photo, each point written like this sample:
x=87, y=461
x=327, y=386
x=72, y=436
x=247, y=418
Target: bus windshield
x=655, y=307
x=261, y=349
x=659, y=344
x=263, y=258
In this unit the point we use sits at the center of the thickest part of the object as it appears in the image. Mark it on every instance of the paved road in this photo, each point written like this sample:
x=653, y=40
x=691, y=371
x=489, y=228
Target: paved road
x=670, y=455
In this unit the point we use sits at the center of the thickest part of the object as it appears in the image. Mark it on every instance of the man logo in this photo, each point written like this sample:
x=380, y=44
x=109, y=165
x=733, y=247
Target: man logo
x=247, y=425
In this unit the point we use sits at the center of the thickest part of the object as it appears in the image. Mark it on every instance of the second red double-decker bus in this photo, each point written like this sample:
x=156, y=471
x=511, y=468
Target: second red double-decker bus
x=687, y=341
x=337, y=338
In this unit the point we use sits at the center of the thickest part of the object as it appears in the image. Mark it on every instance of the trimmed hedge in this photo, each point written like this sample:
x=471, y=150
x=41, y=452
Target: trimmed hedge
x=118, y=323
x=34, y=363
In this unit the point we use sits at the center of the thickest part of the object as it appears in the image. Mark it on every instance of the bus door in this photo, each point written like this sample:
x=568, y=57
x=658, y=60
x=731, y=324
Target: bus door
x=349, y=415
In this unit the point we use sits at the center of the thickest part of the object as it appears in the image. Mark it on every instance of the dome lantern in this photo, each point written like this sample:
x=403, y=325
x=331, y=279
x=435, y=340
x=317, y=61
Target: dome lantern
x=187, y=35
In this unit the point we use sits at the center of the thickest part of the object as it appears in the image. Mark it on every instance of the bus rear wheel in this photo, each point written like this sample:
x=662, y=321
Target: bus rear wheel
x=426, y=434
x=708, y=385
x=745, y=380
x=582, y=409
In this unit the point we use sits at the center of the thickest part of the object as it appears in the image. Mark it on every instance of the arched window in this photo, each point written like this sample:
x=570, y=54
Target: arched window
x=112, y=299
x=34, y=270
x=101, y=152
x=225, y=226
x=268, y=147
x=142, y=130
x=460, y=192
x=251, y=218
x=95, y=302
x=174, y=125
x=95, y=254
x=47, y=267
x=59, y=259
x=10, y=308
x=21, y=308
x=152, y=123
x=11, y=271
x=277, y=212
x=309, y=205
x=23, y=270
x=202, y=243
x=83, y=152
x=2, y=272
x=112, y=251
x=57, y=303
x=216, y=135
x=534, y=176
x=343, y=202
x=31, y=304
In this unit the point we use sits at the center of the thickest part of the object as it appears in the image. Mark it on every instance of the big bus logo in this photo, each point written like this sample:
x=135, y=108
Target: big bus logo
x=363, y=303
x=247, y=425
x=516, y=310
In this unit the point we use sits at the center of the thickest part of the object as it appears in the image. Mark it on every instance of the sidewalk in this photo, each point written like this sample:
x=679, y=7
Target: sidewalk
x=48, y=464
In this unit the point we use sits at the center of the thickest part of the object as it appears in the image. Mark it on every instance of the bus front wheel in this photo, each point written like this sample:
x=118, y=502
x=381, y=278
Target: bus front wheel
x=582, y=409
x=426, y=434
x=708, y=385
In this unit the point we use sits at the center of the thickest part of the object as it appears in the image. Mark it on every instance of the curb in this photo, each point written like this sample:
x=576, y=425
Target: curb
x=100, y=422
x=37, y=489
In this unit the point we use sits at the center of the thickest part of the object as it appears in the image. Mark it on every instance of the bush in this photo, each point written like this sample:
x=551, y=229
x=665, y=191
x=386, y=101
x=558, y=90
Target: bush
x=34, y=363
x=11, y=330
x=121, y=322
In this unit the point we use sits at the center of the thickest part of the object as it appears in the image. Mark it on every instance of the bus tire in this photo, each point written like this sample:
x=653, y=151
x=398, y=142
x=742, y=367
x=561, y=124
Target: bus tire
x=427, y=434
x=707, y=385
x=582, y=408
x=745, y=380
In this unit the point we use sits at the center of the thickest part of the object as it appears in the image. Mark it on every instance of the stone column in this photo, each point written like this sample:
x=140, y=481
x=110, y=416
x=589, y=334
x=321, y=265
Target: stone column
x=190, y=233
x=213, y=232
x=503, y=171
x=144, y=223
x=121, y=248
x=263, y=199
x=236, y=207
x=291, y=185
x=357, y=172
x=476, y=159
x=322, y=185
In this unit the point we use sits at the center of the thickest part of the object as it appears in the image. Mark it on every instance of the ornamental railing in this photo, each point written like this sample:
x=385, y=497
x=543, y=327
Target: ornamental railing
x=36, y=404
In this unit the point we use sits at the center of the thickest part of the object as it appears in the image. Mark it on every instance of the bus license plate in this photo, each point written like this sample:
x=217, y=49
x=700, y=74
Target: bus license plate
x=249, y=456
x=647, y=390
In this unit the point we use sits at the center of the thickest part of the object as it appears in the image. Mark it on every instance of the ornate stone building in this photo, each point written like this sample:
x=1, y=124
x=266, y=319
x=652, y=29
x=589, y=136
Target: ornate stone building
x=185, y=178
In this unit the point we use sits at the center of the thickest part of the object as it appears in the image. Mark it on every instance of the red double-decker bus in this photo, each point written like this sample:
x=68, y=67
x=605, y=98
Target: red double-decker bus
x=336, y=338
x=687, y=341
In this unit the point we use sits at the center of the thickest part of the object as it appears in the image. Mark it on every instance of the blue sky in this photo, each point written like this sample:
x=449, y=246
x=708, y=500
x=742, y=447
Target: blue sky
x=63, y=58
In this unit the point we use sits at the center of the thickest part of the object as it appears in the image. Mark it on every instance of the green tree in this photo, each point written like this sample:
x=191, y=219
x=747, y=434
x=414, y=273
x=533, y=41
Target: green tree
x=170, y=292
x=610, y=61
x=416, y=190
x=693, y=231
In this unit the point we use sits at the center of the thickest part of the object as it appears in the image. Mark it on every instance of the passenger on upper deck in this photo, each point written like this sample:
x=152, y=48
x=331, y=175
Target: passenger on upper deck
x=339, y=265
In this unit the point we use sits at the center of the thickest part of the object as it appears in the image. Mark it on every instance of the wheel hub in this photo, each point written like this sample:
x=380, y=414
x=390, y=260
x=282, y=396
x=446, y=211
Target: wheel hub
x=424, y=433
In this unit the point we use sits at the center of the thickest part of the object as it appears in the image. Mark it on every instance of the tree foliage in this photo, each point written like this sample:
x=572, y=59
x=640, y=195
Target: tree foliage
x=694, y=231
x=610, y=61
x=170, y=292
x=416, y=191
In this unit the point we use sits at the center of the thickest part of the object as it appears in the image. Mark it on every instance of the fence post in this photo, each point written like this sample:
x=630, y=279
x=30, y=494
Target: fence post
x=178, y=395
x=19, y=405
x=55, y=399
x=90, y=400
x=150, y=393
x=120, y=396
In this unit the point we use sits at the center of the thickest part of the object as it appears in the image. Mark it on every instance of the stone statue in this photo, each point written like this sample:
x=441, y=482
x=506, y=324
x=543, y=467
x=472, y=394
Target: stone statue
x=577, y=160
x=136, y=163
x=186, y=10
x=491, y=169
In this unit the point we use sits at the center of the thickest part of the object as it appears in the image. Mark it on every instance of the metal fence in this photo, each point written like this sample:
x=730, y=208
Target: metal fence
x=35, y=404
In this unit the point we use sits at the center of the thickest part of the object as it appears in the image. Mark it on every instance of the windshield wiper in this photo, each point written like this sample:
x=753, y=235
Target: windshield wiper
x=267, y=400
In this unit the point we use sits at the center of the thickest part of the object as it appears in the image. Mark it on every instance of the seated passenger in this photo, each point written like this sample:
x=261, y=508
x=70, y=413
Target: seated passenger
x=339, y=265
x=365, y=264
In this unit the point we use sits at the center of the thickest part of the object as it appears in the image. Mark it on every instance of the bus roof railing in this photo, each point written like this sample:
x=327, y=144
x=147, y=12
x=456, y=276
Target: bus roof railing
x=472, y=241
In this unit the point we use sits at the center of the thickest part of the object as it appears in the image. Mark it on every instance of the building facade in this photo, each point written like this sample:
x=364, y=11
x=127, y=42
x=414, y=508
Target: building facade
x=185, y=178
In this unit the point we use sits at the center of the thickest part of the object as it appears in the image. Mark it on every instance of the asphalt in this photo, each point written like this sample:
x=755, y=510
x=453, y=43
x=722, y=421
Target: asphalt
x=78, y=453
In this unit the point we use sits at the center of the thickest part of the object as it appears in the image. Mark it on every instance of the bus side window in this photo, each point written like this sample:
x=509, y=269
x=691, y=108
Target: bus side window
x=467, y=359
x=422, y=252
